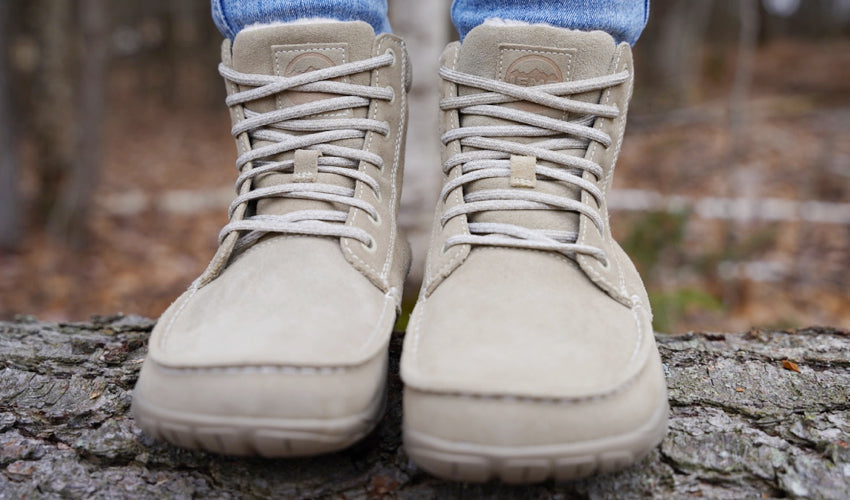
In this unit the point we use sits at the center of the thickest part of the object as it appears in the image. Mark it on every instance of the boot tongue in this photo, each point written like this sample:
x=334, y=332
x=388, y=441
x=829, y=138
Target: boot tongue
x=293, y=49
x=528, y=56
x=532, y=55
x=290, y=50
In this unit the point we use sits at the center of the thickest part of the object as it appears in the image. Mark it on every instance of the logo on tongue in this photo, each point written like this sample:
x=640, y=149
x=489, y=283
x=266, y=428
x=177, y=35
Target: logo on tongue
x=531, y=70
x=310, y=61
x=304, y=63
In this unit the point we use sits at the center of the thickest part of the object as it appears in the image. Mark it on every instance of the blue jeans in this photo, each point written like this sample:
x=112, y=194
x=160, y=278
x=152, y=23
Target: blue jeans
x=623, y=19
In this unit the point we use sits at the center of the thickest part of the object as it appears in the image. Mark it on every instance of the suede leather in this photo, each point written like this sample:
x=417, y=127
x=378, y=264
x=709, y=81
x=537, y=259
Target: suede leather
x=265, y=391
x=578, y=57
x=278, y=304
x=498, y=421
x=524, y=323
x=294, y=326
x=520, y=347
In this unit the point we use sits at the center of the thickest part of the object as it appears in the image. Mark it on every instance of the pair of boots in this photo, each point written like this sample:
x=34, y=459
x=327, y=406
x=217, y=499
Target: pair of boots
x=530, y=353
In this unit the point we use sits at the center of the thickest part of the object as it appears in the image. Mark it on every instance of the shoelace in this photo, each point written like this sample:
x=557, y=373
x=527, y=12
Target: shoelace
x=317, y=135
x=491, y=158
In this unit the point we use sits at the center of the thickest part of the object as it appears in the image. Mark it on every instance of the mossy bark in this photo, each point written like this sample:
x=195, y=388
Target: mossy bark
x=760, y=414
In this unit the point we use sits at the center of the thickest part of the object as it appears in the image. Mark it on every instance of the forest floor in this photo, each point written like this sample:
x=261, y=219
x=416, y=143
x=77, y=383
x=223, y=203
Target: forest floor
x=168, y=172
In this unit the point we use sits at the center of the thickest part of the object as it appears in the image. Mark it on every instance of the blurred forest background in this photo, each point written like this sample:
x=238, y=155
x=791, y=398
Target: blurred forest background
x=732, y=192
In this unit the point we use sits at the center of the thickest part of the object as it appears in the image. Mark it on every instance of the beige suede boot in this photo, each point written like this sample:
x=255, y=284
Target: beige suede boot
x=280, y=347
x=530, y=353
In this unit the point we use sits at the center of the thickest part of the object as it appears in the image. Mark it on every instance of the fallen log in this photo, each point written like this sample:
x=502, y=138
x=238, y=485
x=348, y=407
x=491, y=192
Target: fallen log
x=758, y=414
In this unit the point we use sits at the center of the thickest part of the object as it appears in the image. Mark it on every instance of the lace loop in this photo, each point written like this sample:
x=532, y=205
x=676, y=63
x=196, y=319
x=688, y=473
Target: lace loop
x=487, y=149
x=302, y=126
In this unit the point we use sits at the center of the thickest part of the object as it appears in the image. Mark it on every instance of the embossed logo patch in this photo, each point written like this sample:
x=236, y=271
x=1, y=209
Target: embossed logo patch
x=293, y=60
x=310, y=61
x=532, y=70
x=530, y=66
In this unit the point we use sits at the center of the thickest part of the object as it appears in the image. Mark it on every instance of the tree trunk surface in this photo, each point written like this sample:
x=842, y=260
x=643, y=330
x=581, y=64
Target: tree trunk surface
x=761, y=414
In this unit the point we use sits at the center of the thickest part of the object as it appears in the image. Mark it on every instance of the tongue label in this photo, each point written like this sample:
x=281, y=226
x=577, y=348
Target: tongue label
x=530, y=66
x=292, y=60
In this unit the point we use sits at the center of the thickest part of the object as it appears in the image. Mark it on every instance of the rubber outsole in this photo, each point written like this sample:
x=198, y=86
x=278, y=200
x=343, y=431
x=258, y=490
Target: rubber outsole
x=246, y=436
x=472, y=462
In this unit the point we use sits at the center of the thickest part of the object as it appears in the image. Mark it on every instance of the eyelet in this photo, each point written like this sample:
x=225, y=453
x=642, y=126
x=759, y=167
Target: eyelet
x=395, y=59
x=371, y=247
x=443, y=249
x=392, y=99
x=376, y=220
x=605, y=263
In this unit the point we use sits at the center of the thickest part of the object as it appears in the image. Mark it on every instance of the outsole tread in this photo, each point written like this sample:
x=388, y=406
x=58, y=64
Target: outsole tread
x=522, y=465
x=247, y=439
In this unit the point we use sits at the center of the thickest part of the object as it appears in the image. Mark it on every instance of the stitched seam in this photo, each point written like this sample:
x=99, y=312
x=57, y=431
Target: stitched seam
x=376, y=330
x=610, y=176
x=269, y=368
x=416, y=321
x=620, y=271
x=634, y=310
x=554, y=400
x=167, y=333
x=590, y=266
x=359, y=194
x=456, y=253
x=394, y=176
x=432, y=240
x=608, y=179
x=542, y=399
x=415, y=318
x=260, y=369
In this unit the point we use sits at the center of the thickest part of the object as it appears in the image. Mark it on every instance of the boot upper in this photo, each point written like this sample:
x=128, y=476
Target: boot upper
x=310, y=268
x=526, y=293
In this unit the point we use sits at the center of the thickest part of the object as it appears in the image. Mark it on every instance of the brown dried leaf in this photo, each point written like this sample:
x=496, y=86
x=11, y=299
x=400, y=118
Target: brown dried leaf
x=790, y=365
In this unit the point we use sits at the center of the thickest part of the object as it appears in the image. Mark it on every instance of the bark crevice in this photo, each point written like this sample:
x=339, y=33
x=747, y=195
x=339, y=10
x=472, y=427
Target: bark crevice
x=742, y=425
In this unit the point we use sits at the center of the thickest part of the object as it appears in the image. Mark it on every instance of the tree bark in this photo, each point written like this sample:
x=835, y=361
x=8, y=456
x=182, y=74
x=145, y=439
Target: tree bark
x=762, y=414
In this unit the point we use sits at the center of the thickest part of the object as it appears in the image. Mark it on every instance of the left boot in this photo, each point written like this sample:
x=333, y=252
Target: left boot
x=530, y=353
x=280, y=348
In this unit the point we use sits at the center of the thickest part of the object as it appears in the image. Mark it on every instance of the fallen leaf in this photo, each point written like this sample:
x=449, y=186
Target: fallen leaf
x=739, y=389
x=95, y=395
x=843, y=444
x=382, y=485
x=790, y=365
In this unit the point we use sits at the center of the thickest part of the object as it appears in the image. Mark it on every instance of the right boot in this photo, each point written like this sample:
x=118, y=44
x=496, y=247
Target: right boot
x=280, y=347
x=530, y=353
